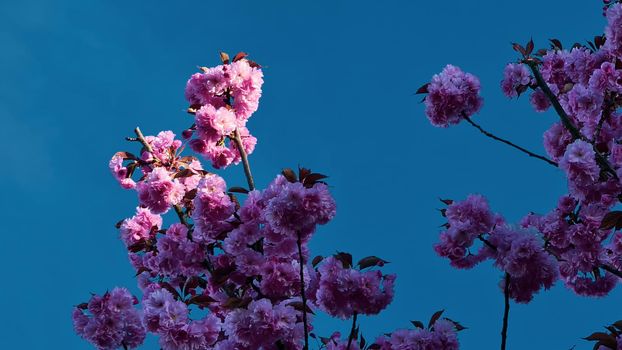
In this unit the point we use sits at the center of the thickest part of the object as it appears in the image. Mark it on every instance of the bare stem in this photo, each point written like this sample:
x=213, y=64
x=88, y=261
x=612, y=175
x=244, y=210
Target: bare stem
x=247, y=168
x=522, y=149
x=506, y=311
x=352, y=331
x=141, y=138
x=302, y=293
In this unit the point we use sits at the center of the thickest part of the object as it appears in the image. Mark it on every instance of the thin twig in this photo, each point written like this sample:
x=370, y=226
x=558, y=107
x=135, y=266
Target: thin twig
x=506, y=311
x=522, y=149
x=247, y=168
x=302, y=293
x=352, y=331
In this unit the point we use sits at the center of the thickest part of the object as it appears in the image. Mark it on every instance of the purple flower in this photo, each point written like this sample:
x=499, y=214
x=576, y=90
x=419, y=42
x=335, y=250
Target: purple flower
x=452, y=96
x=613, y=31
x=516, y=78
x=112, y=321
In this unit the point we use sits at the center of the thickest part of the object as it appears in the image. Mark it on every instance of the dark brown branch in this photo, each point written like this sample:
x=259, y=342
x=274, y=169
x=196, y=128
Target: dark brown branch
x=302, y=293
x=487, y=243
x=247, y=168
x=352, y=331
x=576, y=134
x=522, y=149
x=506, y=311
x=180, y=215
x=611, y=270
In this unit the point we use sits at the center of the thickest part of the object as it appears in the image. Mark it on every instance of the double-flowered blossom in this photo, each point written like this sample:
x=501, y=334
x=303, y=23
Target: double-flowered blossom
x=441, y=336
x=223, y=98
x=516, y=79
x=141, y=227
x=262, y=325
x=110, y=321
x=613, y=31
x=345, y=291
x=452, y=96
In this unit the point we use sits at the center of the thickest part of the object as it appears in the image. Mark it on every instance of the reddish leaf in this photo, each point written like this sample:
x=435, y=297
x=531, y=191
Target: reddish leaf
x=317, y=260
x=312, y=179
x=423, y=89
x=529, y=47
x=303, y=173
x=83, y=306
x=447, y=201
x=458, y=326
x=519, y=48
x=239, y=56
x=289, y=175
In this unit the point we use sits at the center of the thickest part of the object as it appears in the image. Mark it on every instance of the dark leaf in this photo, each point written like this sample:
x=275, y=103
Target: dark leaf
x=289, y=175
x=618, y=324
x=325, y=340
x=201, y=300
x=519, y=48
x=191, y=194
x=434, y=318
x=447, y=201
x=556, y=44
x=303, y=172
x=126, y=155
x=137, y=247
x=119, y=223
x=83, y=306
x=362, y=342
x=312, y=179
x=170, y=288
x=298, y=305
x=239, y=56
x=184, y=173
x=541, y=52
x=345, y=258
x=317, y=260
x=418, y=324
x=602, y=337
x=238, y=190
x=371, y=261
x=374, y=346
x=458, y=326
x=423, y=89
x=611, y=220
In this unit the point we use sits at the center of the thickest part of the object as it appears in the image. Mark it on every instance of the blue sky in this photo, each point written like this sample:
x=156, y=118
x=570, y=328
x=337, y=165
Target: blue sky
x=78, y=76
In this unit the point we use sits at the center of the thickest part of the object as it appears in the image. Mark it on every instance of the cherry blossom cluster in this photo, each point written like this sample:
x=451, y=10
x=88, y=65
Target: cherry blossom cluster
x=234, y=273
x=110, y=321
x=222, y=99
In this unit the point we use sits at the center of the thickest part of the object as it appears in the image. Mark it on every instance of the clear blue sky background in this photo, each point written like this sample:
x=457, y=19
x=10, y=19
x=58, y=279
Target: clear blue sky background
x=78, y=76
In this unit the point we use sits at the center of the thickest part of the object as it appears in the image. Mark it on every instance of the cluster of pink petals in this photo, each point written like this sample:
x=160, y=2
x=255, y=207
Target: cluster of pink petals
x=111, y=322
x=224, y=97
x=344, y=292
x=452, y=96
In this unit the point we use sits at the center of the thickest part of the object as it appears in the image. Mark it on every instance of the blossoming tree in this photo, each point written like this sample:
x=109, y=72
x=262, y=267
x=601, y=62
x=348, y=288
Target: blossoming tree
x=577, y=242
x=232, y=274
x=237, y=274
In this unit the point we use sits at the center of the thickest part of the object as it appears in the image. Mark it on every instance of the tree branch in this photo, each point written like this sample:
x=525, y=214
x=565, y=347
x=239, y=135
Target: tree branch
x=247, y=168
x=352, y=331
x=524, y=150
x=506, y=311
x=576, y=134
x=302, y=293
